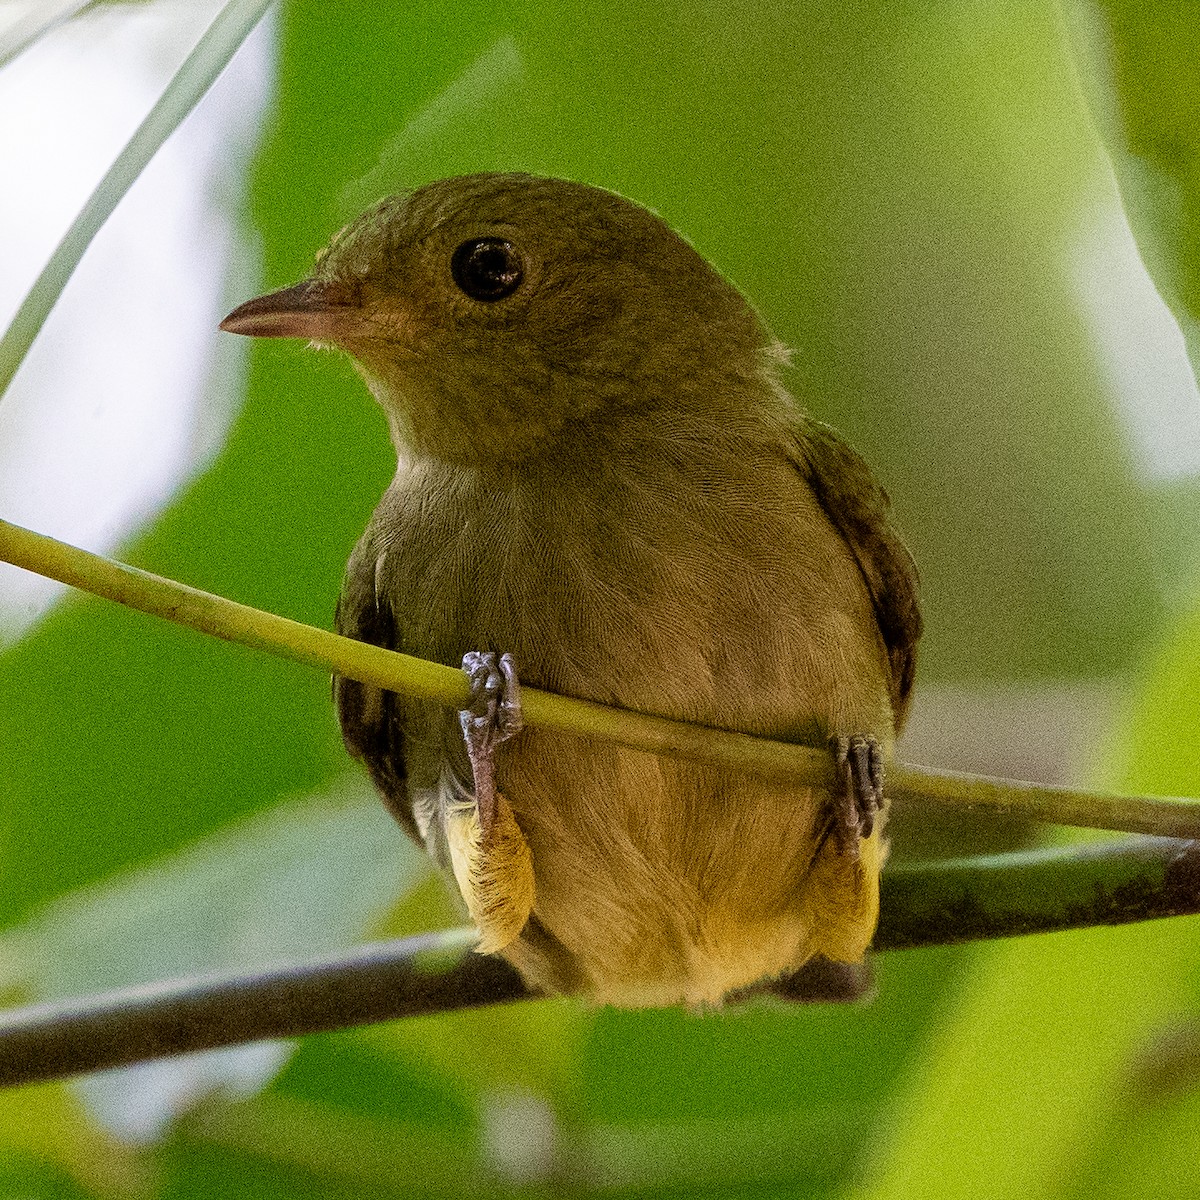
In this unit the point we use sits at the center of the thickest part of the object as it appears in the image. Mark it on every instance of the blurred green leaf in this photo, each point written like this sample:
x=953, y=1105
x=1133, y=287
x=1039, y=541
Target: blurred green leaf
x=368, y=1155
x=38, y=20
x=1142, y=72
x=292, y=883
x=1156, y=745
x=196, y=75
x=298, y=880
x=1147, y=1142
x=1013, y=1092
x=536, y=1047
x=1027, y=1090
x=1147, y=1149
x=47, y=1125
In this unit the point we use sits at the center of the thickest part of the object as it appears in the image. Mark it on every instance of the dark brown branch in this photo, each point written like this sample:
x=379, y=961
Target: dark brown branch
x=376, y=982
x=1038, y=891
x=928, y=904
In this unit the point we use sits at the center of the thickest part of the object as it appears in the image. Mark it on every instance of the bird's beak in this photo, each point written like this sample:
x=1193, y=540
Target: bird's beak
x=321, y=312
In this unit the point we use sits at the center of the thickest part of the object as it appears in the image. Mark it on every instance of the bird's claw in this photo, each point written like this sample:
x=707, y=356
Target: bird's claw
x=494, y=713
x=860, y=770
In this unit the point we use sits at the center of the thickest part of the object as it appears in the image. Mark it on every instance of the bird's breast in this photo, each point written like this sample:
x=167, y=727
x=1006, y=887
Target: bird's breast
x=715, y=597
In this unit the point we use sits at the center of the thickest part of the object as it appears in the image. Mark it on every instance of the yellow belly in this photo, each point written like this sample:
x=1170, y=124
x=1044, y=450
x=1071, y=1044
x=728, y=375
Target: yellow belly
x=660, y=882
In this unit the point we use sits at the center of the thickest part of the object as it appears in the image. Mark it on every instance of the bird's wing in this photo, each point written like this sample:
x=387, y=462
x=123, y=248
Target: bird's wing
x=860, y=511
x=371, y=722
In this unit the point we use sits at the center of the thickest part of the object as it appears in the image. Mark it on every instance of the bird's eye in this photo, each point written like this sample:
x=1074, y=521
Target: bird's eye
x=487, y=269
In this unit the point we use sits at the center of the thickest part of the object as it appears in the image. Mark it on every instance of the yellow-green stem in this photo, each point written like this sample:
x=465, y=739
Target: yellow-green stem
x=208, y=58
x=433, y=681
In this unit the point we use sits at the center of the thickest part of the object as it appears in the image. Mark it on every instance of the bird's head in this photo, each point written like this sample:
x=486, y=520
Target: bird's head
x=494, y=314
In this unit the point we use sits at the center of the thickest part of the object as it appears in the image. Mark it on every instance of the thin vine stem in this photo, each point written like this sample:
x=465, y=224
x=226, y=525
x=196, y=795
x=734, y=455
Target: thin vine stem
x=210, y=55
x=403, y=673
x=38, y=21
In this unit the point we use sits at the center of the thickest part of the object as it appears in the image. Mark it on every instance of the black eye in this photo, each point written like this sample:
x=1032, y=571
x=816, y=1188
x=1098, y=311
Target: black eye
x=487, y=269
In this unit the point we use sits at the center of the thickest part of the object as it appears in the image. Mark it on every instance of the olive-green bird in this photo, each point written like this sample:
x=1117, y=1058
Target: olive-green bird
x=602, y=476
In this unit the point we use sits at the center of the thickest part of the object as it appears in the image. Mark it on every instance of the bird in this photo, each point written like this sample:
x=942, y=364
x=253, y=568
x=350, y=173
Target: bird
x=604, y=489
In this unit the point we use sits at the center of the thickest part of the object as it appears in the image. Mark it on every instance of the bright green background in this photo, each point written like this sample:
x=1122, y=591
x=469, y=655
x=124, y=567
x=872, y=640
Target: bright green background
x=899, y=187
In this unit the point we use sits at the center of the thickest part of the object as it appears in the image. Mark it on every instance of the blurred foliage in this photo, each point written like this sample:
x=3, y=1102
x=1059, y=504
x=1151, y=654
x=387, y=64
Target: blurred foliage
x=903, y=189
x=294, y=882
x=1144, y=83
x=1071, y=1063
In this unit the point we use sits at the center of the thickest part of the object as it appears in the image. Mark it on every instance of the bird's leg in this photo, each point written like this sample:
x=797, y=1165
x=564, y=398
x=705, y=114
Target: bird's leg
x=490, y=856
x=839, y=900
x=860, y=797
x=493, y=717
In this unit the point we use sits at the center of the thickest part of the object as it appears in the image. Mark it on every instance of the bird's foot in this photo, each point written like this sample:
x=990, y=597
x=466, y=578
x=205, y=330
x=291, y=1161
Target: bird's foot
x=492, y=862
x=855, y=805
x=493, y=716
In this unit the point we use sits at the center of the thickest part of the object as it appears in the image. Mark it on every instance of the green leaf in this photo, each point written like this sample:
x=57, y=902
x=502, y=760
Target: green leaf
x=1024, y=1092
x=206, y=61
x=1157, y=744
x=48, y=1125
x=34, y=24
x=303, y=879
x=1141, y=68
